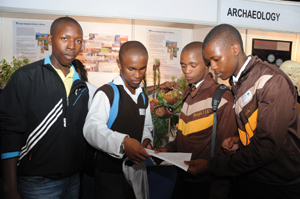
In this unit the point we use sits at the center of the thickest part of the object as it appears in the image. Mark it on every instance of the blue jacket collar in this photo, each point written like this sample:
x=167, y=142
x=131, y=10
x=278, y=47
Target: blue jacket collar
x=48, y=61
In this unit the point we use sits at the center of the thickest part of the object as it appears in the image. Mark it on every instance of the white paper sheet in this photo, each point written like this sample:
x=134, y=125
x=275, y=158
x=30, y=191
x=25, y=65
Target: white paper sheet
x=175, y=158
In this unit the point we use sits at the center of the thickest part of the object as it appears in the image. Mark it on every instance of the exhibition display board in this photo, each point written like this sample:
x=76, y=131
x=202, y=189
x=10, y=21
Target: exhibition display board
x=164, y=27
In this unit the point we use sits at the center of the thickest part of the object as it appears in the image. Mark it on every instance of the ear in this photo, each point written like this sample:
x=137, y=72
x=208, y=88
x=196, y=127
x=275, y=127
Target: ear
x=50, y=39
x=236, y=49
x=119, y=64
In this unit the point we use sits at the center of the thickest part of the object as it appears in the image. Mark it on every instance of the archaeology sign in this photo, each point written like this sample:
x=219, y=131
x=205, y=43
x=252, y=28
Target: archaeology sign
x=254, y=14
x=260, y=15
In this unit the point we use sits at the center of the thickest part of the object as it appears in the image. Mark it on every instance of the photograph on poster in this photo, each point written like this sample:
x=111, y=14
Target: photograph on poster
x=100, y=52
x=42, y=40
x=172, y=48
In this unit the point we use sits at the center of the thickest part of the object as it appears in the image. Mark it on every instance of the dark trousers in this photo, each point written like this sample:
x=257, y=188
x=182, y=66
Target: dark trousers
x=185, y=190
x=248, y=189
x=112, y=186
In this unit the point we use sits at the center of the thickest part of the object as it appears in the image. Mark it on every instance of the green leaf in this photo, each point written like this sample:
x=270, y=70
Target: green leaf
x=7, y=69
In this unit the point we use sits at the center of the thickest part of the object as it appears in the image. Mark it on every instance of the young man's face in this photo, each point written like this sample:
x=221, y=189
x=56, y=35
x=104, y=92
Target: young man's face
x=221, y=59
x=193, y=66
x=66, y=43
x=132, y=70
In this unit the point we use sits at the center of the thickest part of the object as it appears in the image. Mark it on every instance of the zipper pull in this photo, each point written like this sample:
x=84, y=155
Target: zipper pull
x=67, y=101
x=65, y=122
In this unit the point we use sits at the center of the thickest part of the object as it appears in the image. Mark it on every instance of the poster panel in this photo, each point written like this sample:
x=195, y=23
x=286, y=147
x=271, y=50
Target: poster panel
x=30, y=39
x=165, y=45
x=100, y=52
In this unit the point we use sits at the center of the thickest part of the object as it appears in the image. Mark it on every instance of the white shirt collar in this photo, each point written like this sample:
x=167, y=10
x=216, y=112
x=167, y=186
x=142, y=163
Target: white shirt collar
x=198, y=84
x=236, y=79
x=119, y=81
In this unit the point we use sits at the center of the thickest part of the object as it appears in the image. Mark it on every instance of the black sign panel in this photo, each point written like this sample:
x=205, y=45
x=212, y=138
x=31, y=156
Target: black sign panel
x=272, y=51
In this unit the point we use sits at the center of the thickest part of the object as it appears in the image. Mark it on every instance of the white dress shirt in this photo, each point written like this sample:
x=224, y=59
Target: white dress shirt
x=95, y=129
x=198, y=84
x=92, y=89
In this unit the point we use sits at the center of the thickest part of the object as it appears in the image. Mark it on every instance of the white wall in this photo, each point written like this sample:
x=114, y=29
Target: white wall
x=188, y=11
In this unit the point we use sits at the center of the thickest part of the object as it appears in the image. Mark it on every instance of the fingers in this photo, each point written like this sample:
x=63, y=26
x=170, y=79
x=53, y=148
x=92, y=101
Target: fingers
x=225, y=143
x=149, y=146
x=138, y=158
x=236, y=139
x=190, y=163
x=146, y=142
x=175, y=85
x=230, y=145
x=135, y=151
x=191, y=170
x=161, y=149
x=197, y=166
x=169, y=85
x=141, y=155
x=229, y=152
x=231, y=142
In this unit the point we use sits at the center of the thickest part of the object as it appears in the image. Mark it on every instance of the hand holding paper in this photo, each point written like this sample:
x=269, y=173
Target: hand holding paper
x=197, y=166
x=175, y=158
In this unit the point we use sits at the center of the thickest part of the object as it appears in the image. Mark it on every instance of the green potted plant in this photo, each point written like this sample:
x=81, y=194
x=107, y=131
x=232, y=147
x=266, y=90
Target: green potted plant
x=7, y=69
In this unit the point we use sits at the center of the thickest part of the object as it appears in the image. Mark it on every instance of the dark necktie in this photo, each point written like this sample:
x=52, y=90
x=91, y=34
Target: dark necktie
x=193, y=87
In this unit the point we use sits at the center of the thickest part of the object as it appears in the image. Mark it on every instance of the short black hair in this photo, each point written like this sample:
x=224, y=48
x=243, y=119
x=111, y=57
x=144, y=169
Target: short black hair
x=224, y=34
x=132, y=47
x=195, y=45
x=78, y=65
x=62, y=20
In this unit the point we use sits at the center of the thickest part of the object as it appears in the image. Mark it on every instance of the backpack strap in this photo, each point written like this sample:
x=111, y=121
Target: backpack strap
x=215, y=103
x=144, y=98
x=114, y=109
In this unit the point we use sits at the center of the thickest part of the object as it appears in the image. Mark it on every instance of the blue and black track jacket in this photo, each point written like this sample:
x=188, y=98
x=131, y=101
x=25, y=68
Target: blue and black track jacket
x=40, y=125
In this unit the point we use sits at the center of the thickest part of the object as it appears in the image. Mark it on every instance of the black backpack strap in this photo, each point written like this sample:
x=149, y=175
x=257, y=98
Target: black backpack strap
x=215, y=103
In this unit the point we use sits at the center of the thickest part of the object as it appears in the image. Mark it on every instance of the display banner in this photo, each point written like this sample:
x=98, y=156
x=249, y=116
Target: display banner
x=260, y=15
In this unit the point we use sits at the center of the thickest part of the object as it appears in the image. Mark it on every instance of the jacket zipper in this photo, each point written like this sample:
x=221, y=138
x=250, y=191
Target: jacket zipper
x=74, y=90
x=65, y=119
x=74, y=85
